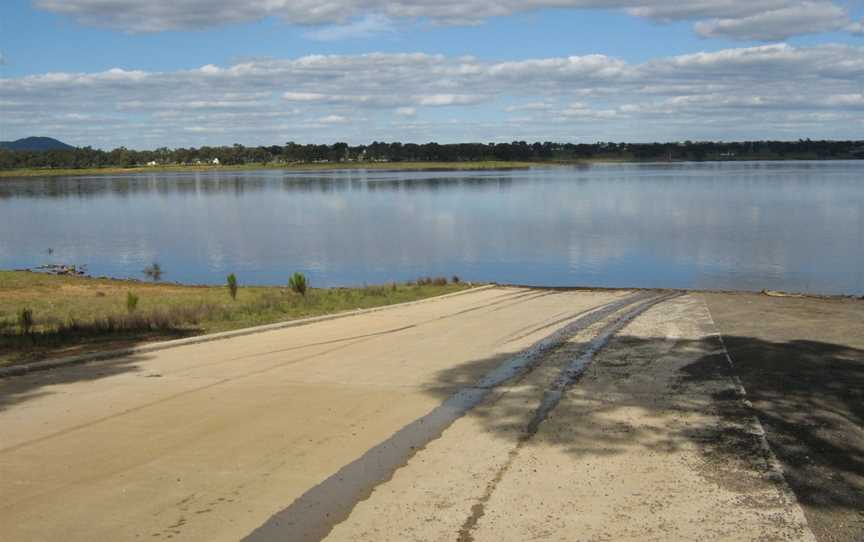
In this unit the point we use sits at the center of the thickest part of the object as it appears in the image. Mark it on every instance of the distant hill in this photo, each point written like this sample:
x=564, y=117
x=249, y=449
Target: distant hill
x=35, y=144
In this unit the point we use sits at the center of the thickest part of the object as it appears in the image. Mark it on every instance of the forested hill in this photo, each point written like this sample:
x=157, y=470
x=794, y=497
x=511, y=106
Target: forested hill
x=86, y=157
x=35, y=144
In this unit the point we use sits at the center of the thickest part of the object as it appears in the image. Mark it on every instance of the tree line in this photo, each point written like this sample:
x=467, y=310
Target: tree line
x=290, y=153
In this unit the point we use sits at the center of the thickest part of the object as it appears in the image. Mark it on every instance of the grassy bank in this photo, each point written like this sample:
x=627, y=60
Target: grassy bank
x=299, y=167
x=73, y=315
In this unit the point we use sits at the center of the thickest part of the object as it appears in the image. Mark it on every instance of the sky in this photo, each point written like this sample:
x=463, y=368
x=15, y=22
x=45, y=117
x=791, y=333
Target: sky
x=151, y=73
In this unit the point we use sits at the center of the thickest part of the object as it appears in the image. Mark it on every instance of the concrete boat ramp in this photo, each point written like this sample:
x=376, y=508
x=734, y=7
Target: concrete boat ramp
x=498, y=414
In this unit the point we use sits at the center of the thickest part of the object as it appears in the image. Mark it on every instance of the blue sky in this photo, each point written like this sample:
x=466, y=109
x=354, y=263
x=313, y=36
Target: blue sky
x=147, y=73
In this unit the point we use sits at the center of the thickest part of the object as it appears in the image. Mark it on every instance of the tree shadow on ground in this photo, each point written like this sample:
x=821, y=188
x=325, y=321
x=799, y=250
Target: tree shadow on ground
x=19, y=389
x=807, y=394
x=16, y=348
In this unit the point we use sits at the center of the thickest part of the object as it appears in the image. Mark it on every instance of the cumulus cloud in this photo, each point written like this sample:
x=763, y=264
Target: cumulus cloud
x=364, y=27
x=752, y=92
x=344, y=19
x=779, y=24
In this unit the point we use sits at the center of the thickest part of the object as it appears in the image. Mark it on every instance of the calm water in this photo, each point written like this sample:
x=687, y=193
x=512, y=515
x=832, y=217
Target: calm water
x=795, y=226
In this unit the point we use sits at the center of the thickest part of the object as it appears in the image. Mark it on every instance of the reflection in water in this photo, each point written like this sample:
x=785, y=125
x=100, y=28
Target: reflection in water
x=781, y=225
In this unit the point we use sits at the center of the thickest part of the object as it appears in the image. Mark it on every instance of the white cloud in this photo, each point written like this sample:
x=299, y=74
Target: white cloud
x=531, y=106
x=437, y=100
x=779, y=24
x=751, y=92
x=364, y=27
x=304, y=96
x=346, y=19
x=334, y=119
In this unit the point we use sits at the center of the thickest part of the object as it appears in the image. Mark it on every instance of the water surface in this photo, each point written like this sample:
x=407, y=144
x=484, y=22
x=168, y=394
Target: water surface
x=796, y=226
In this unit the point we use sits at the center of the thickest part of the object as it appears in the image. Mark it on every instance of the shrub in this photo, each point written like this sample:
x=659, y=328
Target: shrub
x=439, y=281
x=455, y=279
x=375, y=291
x=154, y=271
x=232, y=286
x=131, y=302
x=25, y=321
x=297, y=283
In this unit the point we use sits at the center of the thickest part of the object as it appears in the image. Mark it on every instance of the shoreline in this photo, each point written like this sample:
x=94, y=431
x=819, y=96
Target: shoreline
x=491, y=165
x=80, y=314
x=574, y=288
x=485, y=165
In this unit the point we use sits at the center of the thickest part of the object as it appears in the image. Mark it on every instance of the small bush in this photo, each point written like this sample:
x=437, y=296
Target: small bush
x=232, y=286
x=154, y=271
x=455, y=279
x=25, y=321
x=131, y=302
x=430, y=281
x=378, y=291
x=297, y=283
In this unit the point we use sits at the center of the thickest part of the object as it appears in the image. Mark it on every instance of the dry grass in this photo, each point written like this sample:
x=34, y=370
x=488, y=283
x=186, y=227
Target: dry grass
x=75, y=314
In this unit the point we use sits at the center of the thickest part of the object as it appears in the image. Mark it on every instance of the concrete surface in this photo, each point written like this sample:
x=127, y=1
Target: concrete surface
x=643, y=447
x=363, y=428
x=802, y=363
x=205, y=442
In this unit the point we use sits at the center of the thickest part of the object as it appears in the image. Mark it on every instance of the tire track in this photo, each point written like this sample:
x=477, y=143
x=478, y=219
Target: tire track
x=507, y=297
x=551, y=397
x=314, y=514
x=340, y=344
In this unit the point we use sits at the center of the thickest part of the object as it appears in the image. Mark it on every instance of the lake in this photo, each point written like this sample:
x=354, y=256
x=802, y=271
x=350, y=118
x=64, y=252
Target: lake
x=794, y=226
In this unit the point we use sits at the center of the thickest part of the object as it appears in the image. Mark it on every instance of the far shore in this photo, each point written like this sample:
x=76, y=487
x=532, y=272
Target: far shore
x=480, y=165
x=299, y=167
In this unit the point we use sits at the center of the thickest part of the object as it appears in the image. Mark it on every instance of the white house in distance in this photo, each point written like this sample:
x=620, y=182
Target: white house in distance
x=215, y=161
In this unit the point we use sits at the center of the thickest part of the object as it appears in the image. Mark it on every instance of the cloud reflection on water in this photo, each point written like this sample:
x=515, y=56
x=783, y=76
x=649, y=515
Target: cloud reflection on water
x=794, y=226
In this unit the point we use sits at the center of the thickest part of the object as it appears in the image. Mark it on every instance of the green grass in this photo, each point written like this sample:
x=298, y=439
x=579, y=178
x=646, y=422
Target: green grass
x=401, y=166
x=74, y=315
